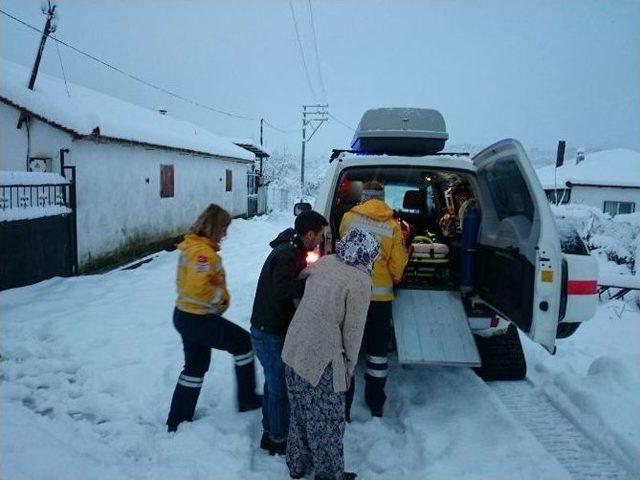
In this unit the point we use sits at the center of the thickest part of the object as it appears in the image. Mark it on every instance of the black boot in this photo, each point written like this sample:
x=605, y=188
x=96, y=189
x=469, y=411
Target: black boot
x=278, y=448
x=248, y=399
x=345, y=476
x=374, y=395
x=265, y=441
x=183, y=405
x=274, y=448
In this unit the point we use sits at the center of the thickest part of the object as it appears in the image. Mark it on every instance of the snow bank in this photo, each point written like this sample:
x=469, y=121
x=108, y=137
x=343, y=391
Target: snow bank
x=29, y=213
x=86, y=110
x=614, y=240
x=594, y=379
x=89, y=365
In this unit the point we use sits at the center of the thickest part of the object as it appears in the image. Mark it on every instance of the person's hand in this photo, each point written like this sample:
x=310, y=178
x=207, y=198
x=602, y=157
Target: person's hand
x=304, y=273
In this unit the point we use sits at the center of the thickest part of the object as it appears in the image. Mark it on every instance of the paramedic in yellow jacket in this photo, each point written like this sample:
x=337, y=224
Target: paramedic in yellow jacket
x=375, y=216
x=202, y=299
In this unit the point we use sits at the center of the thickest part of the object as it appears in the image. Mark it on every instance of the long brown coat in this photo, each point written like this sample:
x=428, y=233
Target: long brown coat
x=329, y=322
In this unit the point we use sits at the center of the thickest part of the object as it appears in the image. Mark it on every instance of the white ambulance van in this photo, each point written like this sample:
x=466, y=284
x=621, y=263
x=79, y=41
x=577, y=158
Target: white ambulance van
x=485, y=256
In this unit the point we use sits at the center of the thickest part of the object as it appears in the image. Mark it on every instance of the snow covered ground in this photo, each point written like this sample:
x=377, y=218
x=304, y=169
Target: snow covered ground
x=89, y=364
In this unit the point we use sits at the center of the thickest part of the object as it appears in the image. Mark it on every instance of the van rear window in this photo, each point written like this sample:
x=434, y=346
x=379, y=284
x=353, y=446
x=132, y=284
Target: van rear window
x=508, y=190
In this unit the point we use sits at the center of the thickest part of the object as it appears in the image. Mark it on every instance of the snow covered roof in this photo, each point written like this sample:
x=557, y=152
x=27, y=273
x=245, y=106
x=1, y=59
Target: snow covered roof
x=253, y=146
x=619, y=167
x=87, y=112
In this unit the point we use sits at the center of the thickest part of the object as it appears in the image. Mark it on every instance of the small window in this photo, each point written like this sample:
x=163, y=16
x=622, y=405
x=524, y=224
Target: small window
x=618, y=208
x=166, y=181
x=229, y=183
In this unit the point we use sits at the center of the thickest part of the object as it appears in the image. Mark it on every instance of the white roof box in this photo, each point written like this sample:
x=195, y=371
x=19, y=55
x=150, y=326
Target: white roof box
x=400, y=131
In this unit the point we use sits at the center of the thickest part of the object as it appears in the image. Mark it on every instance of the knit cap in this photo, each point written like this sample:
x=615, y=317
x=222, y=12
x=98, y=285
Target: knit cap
x=358, y=248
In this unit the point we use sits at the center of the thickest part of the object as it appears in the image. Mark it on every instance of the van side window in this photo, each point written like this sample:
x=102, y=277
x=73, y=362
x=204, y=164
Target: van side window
x=509, y=191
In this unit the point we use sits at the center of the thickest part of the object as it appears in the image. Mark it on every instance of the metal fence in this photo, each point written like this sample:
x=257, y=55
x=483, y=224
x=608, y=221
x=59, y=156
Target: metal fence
x=37, y=232
x=279, y=199
x=34, y=196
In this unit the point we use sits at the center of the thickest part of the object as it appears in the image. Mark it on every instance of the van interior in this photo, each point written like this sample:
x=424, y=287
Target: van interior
x=429, y=206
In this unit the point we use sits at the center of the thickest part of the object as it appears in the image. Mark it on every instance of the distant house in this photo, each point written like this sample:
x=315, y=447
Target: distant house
x=256, y=188
x=141, y=175
x=608, y=180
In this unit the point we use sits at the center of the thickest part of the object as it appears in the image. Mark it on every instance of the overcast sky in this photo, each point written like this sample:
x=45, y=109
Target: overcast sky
x=537, y=71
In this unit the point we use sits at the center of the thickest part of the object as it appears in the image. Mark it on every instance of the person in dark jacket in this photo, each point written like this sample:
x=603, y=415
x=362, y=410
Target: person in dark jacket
x=273, y=308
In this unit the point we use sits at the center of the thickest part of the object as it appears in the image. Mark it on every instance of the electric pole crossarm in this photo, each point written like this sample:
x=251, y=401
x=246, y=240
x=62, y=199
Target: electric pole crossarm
x=313, y=115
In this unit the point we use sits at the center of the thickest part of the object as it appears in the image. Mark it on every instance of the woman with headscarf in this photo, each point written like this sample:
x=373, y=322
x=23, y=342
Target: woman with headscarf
x=321, y=351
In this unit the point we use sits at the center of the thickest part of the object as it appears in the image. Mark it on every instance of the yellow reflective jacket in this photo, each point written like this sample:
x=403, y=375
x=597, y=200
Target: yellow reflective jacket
x=376, y=217
x=200, y=281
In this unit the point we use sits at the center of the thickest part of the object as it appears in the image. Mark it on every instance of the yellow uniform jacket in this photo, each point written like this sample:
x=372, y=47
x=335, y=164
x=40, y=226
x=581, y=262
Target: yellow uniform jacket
x=200, y=281
x=376, y=217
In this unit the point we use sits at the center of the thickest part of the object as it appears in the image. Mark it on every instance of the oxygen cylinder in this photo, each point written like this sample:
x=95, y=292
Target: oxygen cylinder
x=470, y=227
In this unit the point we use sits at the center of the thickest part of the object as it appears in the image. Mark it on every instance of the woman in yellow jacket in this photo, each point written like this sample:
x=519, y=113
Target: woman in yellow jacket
x=202, y=299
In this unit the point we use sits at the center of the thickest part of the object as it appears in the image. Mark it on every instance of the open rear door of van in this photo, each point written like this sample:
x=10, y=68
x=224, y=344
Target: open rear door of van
x=519, y=260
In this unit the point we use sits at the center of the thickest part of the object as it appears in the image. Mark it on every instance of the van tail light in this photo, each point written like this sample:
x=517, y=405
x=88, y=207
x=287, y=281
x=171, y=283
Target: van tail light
x=582, y=287
x=494, y=321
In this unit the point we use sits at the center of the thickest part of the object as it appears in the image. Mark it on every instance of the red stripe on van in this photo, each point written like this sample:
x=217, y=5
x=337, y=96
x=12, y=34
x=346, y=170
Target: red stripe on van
x=582, y=287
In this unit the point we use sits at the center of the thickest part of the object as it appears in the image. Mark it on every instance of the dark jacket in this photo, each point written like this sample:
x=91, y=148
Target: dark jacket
x=279, y=285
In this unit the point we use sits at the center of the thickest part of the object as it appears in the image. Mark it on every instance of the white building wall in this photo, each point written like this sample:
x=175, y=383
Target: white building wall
x=46, y=141
x=118, y=185
x=118, y=191
x=596, y=196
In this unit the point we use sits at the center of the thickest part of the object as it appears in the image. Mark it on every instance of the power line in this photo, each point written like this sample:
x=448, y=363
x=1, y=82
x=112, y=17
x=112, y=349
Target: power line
x=140, y=80
x=131, y=76
x=304, y=62
x=341, y=122
x=315, y=46
x=64, y=75
x=281, y=130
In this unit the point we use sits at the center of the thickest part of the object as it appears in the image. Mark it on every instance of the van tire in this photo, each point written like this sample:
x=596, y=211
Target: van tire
x=565, y=330
x=502, y=356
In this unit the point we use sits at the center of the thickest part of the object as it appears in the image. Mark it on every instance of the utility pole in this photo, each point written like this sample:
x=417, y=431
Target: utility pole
x=49, y=9
x=49, y=27
x=261, y=129
x=313, y=115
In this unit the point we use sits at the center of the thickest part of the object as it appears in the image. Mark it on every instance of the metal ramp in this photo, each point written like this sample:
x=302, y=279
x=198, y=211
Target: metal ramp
x=431, y=328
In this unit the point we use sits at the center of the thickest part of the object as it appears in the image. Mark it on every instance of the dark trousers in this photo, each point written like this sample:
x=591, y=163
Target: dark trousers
x=275, y=404
x=377, y=333
x=201, y=333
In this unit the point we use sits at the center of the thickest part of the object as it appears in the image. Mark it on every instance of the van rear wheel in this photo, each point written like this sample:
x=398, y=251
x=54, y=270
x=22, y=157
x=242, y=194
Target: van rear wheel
x=502, y=356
